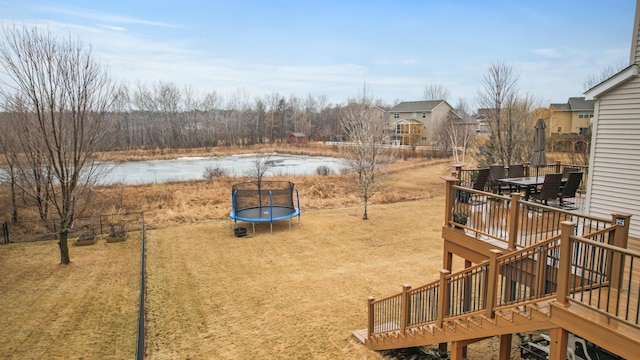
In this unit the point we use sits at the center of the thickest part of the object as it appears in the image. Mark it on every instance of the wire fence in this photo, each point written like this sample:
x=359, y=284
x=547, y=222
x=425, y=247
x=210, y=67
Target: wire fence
x=103, y=224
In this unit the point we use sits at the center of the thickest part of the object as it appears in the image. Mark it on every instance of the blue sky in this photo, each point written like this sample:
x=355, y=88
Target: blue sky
x=332, y=48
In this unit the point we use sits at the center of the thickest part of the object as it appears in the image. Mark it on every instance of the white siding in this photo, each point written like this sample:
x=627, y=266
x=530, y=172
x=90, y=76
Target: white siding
x=615, y=175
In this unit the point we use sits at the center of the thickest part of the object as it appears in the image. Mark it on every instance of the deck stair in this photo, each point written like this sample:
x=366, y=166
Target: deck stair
x=544, y=286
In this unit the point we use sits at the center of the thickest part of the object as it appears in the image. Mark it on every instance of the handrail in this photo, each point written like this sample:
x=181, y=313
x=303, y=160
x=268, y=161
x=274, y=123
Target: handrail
x=520, y=277
x=510, y=219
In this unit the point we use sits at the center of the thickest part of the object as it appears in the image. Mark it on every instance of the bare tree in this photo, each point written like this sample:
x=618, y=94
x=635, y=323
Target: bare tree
x=436, y=92
x=261, y=164
x=62, y=94
x=508, y=116
x=607, y=72
x=366, y=155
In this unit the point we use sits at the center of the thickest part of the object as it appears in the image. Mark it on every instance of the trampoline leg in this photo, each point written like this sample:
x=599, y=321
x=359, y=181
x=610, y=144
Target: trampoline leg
x=254, y=228
x=271, y=225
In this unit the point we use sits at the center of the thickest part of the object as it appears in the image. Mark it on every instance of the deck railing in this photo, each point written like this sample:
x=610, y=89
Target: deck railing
x=600, y=276
x=588, y=270
x=467, y=174
x=510, y=219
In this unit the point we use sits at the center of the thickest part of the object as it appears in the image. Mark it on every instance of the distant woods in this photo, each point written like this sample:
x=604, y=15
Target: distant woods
x=165, y=115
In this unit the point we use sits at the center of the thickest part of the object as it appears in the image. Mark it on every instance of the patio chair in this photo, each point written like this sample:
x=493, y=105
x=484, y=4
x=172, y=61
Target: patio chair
x=478, y=183
x=568, y=190
x=516, y=170
x=568, y=170
x=498, y=172
x=481, y=179
x=549, y=190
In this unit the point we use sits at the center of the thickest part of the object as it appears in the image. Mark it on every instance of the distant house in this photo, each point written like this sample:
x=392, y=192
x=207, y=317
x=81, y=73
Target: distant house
x=415, y=122
x=297, y=138
x=572, y=117
x=614, y=177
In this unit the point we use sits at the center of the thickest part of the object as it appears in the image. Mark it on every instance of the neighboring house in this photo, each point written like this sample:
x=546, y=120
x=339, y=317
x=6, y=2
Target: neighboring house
x=482, y=124
x=415, y=122
x=572, y=117
x=614, y=177
x=297, y=138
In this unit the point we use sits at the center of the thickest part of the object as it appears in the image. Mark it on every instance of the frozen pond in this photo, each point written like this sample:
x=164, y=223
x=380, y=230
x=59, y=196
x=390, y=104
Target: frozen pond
x=193, y=168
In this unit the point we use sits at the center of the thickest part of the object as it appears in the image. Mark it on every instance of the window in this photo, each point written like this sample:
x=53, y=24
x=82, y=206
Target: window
x=585, y=115
x=414, y=115
x=584, y=131
x=398, y=129
x=424, y=138
x=424, y=115
x=396, y=115
x=559, y=129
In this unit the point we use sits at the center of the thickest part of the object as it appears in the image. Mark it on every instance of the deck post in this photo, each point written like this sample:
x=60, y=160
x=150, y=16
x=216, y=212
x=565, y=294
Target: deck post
x=505, y=346
x=620, y=237
x=564, y=268
x=492, y=283
x=559, y=339
x=527, y=168
x=458, y=171
x=405, y=309
x=514, y=215
x=443, y=297
x=557, y=166
x=370, y=301
x=448, y=200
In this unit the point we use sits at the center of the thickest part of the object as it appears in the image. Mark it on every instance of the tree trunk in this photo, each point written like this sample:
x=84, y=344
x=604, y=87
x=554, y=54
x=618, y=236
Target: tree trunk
x=364, y=214
x=64, y=246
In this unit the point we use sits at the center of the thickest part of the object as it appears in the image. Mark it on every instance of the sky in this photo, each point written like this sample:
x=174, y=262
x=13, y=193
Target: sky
x=335, y=48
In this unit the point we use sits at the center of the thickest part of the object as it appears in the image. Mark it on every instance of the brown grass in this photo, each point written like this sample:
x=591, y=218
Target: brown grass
x=290, y=295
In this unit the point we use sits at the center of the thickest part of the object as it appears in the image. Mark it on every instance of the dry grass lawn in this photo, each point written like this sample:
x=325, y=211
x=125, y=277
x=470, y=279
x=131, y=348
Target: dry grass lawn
x=288, y=295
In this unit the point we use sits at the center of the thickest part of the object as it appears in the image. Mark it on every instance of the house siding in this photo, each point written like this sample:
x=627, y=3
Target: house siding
x=616, y=155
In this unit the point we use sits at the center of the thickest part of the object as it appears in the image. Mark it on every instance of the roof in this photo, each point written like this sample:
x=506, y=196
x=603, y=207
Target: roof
x=613, y=82
x=574, y=104
x=298, y=134
x=416, y=106
x=579, y=103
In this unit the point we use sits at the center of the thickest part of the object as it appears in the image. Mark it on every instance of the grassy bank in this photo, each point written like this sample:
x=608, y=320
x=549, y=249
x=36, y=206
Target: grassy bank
x=288, y=295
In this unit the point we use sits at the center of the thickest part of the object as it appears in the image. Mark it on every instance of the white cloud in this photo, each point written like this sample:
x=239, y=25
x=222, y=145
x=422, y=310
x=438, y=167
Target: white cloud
x=103, y=17
x=114, y=28
x=547, y=52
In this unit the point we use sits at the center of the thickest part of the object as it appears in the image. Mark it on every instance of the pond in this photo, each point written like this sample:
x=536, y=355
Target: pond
x=193, y=168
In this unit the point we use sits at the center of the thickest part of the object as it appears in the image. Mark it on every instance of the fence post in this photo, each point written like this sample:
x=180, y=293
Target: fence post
x=443, y=297
x=405, y=310
x=514, y=215
x=370, y=301
x=492, y=283
x=448, y=200
x=564, y=268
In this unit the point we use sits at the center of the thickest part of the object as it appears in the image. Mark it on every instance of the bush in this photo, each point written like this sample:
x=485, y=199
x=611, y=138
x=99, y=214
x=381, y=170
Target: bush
x=323, y=170
x=211, y=172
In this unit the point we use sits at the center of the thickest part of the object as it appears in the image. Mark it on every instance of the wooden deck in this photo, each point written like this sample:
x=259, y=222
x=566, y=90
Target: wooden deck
x=536, y=267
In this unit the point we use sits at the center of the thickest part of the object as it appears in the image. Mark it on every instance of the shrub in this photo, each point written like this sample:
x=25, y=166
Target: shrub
x=212, y=172
x=323, y=170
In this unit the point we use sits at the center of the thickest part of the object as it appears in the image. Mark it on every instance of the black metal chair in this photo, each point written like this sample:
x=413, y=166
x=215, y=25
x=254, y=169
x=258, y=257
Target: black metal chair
x=550, y=188
x=481, y=179
x=569, y=189
x=498, y=172
x=516, y=170
x=568, y=170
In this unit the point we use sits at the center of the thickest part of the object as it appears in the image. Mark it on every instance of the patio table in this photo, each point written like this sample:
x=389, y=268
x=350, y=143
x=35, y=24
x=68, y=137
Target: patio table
x=528, y=184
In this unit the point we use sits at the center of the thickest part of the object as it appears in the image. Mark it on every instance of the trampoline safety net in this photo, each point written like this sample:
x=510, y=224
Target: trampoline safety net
x=254, y=194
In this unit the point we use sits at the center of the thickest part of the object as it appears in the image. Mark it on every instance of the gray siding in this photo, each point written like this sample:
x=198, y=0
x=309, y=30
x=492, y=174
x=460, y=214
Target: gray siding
x=615, y=179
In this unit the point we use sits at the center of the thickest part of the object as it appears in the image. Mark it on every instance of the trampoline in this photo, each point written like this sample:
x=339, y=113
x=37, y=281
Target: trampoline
x=264, y=202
